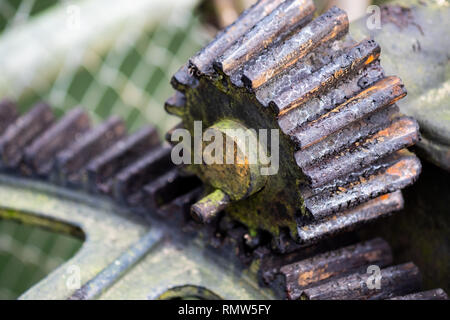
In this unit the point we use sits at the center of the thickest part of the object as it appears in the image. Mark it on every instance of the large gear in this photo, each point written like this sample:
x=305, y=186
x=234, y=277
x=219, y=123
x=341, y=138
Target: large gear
x=342, y=144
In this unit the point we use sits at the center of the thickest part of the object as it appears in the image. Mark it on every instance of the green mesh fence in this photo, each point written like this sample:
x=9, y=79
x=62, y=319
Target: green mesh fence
x=130, y=79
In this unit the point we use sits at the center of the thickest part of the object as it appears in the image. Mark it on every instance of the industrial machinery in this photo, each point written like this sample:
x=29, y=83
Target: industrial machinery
x=176, y=230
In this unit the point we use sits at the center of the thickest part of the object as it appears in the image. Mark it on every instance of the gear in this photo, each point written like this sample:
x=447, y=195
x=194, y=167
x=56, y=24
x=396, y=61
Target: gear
x=342, y=139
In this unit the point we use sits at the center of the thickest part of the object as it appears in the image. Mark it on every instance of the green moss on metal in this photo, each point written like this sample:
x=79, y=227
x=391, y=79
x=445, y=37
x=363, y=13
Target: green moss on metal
x=279, y=203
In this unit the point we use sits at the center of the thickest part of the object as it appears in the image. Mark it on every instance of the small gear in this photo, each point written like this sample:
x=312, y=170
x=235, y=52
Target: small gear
x=342, y=153
x=342, y=145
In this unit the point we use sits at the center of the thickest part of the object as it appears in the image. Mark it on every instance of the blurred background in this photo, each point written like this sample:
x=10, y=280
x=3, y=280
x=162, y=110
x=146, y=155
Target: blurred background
x=110, y=57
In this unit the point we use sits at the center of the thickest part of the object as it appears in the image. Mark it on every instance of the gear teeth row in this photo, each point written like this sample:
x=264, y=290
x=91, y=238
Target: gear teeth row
x=202, y=62
x=275, y=60
x=397, y=176
x=102, y=169
x=8, y=114
x=336, y=96
x=395, y=280
x=330, y=96
x=134, y=169
x=73, y=159
x=328, y=76
x=381, y=94
x=287, y=16
x=435, y=294
x=342, y=274
x=348, y=136
x=40, y=154
x=401, y=133
x=131, y=180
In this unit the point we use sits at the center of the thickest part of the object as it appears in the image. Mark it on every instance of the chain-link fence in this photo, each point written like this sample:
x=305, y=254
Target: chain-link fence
x=123, y=70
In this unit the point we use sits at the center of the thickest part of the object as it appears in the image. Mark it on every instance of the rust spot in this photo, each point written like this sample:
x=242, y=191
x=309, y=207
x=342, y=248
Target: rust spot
x=372, y=255
x=401, y=168
x=312, y=276
x=372, y=58
x=384, y=197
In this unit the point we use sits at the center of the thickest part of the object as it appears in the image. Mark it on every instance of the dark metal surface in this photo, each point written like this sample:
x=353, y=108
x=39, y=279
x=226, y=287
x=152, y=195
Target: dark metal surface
x=131, y=179
x=101, y=169
x=436, y=294
x=39, y=156
x=343, y=162
x=21, y=132
x=277, y=59
x=350, y=219
x=8, y=114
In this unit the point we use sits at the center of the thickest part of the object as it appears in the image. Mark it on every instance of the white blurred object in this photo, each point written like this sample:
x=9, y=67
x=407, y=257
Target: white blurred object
x=33, y=53
x=354, y=8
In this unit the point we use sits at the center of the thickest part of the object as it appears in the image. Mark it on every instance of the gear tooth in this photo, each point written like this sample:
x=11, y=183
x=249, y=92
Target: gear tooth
x=385, y=92
x=316, y=107
x=332, y=100
x=348, y=136
x=8, y=114
x=396, y=176
x=352, y=218
x=202, y=62
x=332, y=265
x=40, y=155
x=356, y=176
x=328, y=27
x=165, y=191
x=396, y=280
x=22, y=132
x=71, y=162
x=401, y=133
x=129, y=181
x=274, y=27
x=101, y=169
x=350, y=62
x=183, y=79
x=176, y=104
